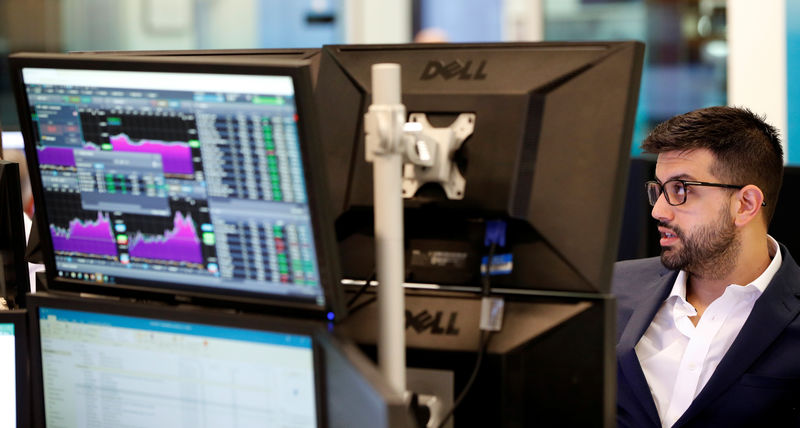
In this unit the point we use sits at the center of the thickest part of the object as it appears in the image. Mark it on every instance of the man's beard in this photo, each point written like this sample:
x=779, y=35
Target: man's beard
x=709, y=252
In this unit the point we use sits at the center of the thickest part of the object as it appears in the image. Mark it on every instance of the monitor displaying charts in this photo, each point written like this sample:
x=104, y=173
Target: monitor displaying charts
x=137, y=365
x=189, y=177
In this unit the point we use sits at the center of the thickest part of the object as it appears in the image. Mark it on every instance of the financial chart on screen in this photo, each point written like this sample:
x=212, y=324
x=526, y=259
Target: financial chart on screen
x=192, y=179
x=8, y=387
x=101, y=369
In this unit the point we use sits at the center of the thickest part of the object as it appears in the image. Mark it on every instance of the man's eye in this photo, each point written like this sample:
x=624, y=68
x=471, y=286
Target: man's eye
x=676, y=189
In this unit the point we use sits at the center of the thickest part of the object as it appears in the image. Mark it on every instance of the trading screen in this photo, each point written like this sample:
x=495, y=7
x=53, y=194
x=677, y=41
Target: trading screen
x=8, y=388
x=103, y=369
x=182, y=178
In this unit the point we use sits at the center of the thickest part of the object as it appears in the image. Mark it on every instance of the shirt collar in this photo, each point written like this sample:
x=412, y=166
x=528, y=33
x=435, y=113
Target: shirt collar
x=679, y=287
x=766, y=277
x=677, y=297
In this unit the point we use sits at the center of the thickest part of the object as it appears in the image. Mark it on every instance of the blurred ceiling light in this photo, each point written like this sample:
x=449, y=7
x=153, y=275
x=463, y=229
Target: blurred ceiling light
x=717, y=48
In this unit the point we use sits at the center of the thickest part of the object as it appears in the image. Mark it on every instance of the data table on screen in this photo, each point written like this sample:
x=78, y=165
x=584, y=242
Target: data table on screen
x=107, y=370
x=187, y=179
x=8, y=388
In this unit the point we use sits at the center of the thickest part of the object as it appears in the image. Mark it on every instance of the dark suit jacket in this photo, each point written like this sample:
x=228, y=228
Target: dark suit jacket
x=757, y=383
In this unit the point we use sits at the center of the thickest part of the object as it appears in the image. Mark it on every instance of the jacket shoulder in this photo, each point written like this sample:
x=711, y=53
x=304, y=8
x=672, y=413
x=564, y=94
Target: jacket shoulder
x=633, y=273
x=633, y=282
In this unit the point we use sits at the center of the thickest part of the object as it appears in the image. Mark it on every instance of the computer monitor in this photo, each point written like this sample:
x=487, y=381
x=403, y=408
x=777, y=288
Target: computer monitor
x=14, y=390
x=14, y=282
x=548, y=155
x=97, y=362
x=288, y=53
x=357, y=395
x=311, y=54
x=195, y=178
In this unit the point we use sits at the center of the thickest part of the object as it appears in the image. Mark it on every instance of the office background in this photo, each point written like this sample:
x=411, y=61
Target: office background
x=699, y=52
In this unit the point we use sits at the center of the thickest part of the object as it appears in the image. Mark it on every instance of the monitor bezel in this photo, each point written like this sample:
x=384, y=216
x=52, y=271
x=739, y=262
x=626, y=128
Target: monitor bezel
x=19, y=318
x=299, y=53
x=157, y=310
x=392, y=405
x=299, y=71
x=14, y=278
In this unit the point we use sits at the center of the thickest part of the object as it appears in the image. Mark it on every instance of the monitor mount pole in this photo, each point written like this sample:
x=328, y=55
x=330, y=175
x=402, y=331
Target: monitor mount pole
x=404, y=156
x=383, y=126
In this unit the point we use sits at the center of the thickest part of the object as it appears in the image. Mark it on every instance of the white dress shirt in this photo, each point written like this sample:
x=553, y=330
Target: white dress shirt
x=32, y=267
x=678, y=357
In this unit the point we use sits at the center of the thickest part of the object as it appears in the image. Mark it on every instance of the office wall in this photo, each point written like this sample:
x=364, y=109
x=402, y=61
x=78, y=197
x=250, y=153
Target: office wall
x=225, y=24
x=757, y=60
x=470, y=21
x=299, y=24
x=377, y=21
x=127, y=24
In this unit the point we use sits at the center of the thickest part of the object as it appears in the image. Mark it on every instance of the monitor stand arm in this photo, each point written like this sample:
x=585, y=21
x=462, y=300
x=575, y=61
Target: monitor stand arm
x=404, y=156
x=383, y=125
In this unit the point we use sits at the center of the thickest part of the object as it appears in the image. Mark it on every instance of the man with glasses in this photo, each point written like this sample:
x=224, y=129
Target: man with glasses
x=709, y=333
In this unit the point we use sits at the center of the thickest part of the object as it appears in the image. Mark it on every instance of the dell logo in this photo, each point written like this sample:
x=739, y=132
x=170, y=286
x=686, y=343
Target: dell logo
x=425, y=321
x=454, y=69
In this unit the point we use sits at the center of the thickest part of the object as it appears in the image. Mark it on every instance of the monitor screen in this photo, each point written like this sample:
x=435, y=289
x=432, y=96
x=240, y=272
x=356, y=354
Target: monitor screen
x=547, y=155
x=8, y=357
x=14, y=359
x=116, y=364
x=193, y=177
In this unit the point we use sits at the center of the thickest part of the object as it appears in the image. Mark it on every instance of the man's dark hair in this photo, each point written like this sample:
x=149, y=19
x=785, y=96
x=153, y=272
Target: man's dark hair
x=747, y=149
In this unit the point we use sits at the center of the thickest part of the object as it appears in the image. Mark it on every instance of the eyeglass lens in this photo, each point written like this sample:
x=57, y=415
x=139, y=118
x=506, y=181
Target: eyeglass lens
x=675, y=192
x=653, y=191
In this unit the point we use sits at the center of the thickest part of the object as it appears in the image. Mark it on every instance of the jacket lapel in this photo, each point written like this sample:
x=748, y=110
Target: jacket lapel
x=773, y=311
x=653, y=296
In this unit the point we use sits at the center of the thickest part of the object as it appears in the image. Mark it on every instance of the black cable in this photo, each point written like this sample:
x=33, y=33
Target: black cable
x=486, y=285
x=361, y=290
x=485, y=335
x=353, y=309
x=358, y=307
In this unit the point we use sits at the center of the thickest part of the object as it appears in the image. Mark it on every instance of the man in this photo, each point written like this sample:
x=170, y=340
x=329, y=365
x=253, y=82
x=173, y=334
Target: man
x=709, y=335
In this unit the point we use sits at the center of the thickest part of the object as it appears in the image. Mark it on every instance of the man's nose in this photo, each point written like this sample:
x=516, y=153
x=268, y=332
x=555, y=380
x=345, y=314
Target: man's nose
x=662, y=211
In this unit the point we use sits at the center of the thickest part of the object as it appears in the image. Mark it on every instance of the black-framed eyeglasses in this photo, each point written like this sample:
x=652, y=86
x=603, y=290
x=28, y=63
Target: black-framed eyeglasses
x=675, y=190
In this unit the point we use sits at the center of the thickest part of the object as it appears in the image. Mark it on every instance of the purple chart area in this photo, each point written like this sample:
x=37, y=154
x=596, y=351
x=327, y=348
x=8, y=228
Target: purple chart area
x=180, y=244
x=176, y=156
x=88, y=237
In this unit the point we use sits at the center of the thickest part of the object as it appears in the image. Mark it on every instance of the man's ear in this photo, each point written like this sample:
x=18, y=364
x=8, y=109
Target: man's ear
x=750, y=199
